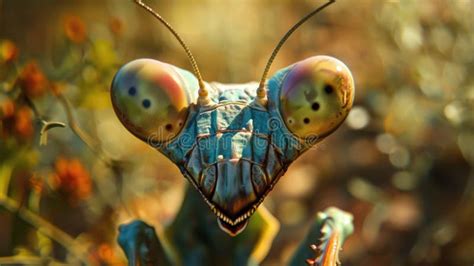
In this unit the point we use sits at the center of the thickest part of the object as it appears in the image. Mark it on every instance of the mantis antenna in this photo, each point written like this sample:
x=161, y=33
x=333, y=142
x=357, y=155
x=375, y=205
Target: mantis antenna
x=261, y=92
x=202, y=88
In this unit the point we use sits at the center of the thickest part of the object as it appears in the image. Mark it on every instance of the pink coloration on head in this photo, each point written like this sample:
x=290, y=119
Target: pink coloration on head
x=298, y=74
x=171, y=83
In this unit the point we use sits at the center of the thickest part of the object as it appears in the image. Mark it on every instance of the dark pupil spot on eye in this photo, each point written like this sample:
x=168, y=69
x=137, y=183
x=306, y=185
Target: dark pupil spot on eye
x=315, y=106
x=306, y=120
x=169, y=127
x=132, y=91
x=146, y=103
x=328, y=89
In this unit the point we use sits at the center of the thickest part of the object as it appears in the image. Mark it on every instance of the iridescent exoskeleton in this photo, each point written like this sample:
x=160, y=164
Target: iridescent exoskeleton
x=233, y=142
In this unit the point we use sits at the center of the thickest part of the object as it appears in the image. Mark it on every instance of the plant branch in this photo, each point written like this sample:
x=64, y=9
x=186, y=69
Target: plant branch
x=46, y=228
x=93, y=145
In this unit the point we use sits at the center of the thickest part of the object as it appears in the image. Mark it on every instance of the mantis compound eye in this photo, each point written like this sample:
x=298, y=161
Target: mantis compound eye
x=316, y=96
x=150, y=99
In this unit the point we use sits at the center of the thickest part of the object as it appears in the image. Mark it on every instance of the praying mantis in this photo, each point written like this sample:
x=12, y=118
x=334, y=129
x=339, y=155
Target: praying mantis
x=232, y=142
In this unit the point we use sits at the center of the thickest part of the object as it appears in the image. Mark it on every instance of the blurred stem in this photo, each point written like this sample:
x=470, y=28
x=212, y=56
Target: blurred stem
x=89, y=141
x=469, y=190
x=34, y=200
x=44, y=130
x=45, y=227
x=32, y=106
x=93, y=145
x=373, y=222
x=24, y=260
x=45, y=124
x=29, y=260
x=5, y=175
x=365, y=191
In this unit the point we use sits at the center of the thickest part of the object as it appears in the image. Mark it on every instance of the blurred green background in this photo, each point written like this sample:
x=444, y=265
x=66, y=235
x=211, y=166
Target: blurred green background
x=402, y=162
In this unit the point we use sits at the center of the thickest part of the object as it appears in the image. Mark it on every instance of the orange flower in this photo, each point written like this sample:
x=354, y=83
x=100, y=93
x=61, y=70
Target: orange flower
x=75, y=29
x=72, y=179
x=32, y=80
x=7, y=118
x=8, y=51
x=15, y=121
x=105, y=254
x=23, y=122
x=57, y=88
x=36, y=183
x=116, y=26
x=8, y=108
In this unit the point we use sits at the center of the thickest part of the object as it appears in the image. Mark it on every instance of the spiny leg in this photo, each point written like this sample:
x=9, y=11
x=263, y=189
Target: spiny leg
x=325, y=239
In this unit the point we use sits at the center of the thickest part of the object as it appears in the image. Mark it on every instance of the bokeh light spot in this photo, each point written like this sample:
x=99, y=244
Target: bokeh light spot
x=358, y=118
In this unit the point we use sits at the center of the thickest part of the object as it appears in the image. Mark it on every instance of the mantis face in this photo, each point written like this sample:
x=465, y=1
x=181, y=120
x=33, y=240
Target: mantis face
x=233, y=142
